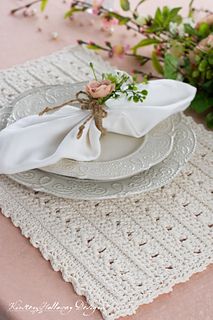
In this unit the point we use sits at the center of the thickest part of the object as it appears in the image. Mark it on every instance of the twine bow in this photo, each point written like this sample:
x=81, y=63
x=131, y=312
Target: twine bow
x=86, y=103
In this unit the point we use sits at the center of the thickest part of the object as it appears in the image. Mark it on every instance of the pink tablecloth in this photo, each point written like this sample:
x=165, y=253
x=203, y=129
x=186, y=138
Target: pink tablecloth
x=26, y=278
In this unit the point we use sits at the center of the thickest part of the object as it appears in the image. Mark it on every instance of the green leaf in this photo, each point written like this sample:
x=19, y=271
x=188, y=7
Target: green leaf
x=135, y=99
x=170, y=66
x=93, y=46
x=125, y=5
x=174, y=12
x=203, y=30
x=163, y=18
x=210, y=59
x=203, y=65
x=43, y=5
x=209, y=120
x=208, y=87
x=144, y=43
x=70, y=12
x=122, y=20
x=156, y=64
x=190, y=13
x=144, y=92
x=201, y=102
x=171, y=16
x=158, y=19
x=188, y=29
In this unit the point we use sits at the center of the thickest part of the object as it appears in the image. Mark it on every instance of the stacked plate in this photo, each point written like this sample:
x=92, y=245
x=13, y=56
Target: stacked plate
x=126, y=165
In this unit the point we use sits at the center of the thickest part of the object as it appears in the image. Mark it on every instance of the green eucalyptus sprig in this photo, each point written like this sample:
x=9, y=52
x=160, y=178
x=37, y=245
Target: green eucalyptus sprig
x=125, y=85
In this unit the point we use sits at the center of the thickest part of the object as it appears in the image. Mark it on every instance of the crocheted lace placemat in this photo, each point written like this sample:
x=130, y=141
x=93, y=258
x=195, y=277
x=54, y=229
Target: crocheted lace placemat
x=118, y=253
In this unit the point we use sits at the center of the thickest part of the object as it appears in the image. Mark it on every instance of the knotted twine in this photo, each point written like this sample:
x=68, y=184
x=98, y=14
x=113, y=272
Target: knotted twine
x=87, y=103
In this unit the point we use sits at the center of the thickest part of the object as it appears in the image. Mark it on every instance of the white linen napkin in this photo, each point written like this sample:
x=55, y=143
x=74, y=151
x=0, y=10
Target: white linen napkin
x=38, y=141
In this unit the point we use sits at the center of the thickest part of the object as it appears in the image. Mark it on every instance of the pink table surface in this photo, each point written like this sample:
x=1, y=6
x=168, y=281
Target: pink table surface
x=25, y=277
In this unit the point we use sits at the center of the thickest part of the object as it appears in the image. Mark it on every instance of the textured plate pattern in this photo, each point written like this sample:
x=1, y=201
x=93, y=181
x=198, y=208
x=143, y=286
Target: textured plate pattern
x=153, y=149
x=159, y=175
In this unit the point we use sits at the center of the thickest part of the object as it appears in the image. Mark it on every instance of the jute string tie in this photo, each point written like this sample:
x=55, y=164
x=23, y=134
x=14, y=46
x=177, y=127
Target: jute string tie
x=86, y=102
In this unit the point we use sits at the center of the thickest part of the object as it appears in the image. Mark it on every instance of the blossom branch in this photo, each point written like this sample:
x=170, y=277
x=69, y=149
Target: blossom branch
x=149, y=75
x=130, y=23
x=26, y=6
x=109, y=48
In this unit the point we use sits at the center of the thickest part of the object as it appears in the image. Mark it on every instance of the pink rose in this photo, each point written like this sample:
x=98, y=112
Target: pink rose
x=207, y=19
x=205, y=43
x=99, y=89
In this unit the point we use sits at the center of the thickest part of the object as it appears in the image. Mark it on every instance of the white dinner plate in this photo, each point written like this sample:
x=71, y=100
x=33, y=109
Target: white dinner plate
x=71, y=188
x=121, y=156
x=77, y=189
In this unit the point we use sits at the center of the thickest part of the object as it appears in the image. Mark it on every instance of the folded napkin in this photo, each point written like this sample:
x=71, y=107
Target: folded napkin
x=38, y=141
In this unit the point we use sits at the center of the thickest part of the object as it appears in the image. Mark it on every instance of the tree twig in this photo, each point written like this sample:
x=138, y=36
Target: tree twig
x=149, y=75
x=26, y=6
x=81, y=42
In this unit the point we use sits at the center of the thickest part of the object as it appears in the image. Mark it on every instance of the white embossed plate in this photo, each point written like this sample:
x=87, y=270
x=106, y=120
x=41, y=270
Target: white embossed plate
x=121, y=156
x=155, y=177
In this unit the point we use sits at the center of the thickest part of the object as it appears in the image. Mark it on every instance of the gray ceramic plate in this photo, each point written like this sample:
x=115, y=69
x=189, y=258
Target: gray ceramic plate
x=130, y=155
x=157, y=176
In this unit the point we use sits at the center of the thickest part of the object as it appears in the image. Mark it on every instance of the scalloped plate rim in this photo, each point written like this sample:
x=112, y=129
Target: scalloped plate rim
x=140, y=187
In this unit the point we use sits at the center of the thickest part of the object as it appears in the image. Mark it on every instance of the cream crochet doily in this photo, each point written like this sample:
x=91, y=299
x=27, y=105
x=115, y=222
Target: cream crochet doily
x=118, y=253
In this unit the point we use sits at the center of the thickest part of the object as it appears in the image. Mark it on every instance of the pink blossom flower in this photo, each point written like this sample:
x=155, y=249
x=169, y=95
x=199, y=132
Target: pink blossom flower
x=142, y=29
x=96, y=4
x=206, y=43
x=159, y=50
x=119, y=50
x=99, y=89
x=207, y=19
x=108, y=22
